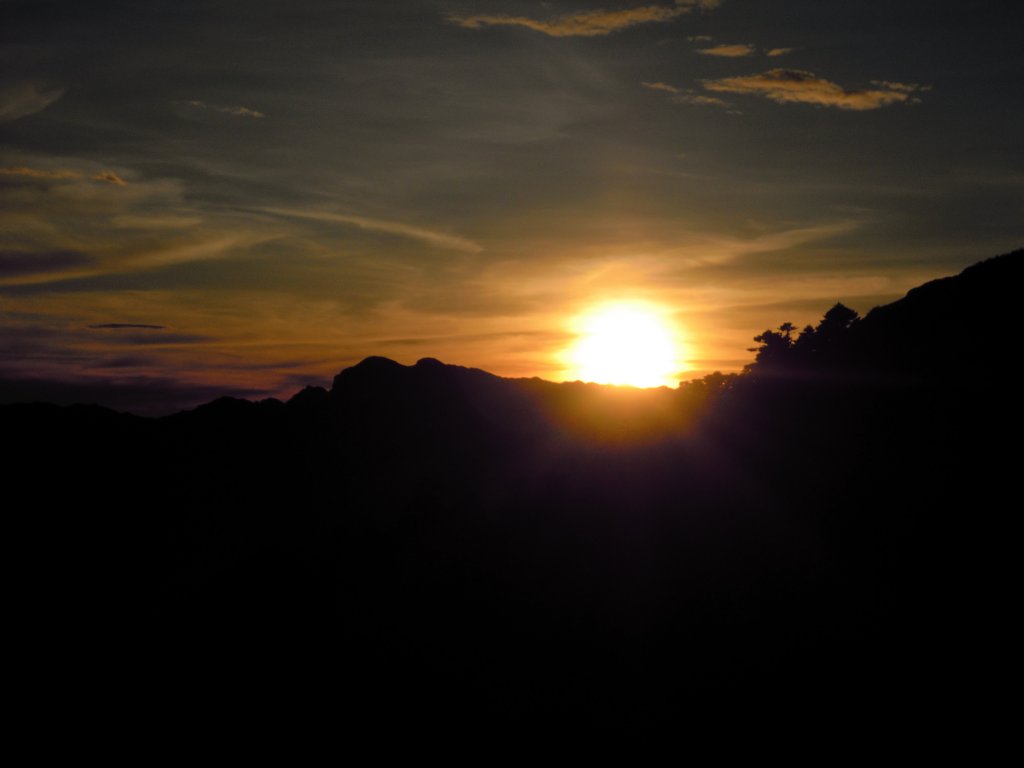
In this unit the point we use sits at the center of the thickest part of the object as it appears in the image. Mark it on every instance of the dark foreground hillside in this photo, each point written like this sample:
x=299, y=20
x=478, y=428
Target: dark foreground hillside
x=829, y=532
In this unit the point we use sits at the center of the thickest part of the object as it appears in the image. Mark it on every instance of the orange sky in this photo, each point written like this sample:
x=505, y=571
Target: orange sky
x=302, y=187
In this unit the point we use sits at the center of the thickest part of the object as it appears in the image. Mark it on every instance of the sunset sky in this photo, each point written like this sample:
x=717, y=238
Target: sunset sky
x=220, y=197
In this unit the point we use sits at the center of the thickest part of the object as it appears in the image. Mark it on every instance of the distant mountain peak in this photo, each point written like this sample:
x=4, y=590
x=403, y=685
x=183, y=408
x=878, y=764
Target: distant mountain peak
x=377, y=362
x=431, y=362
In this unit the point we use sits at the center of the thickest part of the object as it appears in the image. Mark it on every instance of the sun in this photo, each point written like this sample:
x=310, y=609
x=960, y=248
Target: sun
x=627, y=343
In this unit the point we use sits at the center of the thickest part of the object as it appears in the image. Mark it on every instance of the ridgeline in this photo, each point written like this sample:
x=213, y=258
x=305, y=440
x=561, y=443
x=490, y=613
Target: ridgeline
x=434, y=544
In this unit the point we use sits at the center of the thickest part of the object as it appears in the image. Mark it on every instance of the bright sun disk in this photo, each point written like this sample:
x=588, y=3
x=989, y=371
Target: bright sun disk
x=632, y=344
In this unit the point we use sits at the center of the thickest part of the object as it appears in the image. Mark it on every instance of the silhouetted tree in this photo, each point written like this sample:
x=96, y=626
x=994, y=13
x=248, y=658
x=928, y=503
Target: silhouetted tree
x=775, y=351
x=837, y=322
x=706, y=389
x=827, y=344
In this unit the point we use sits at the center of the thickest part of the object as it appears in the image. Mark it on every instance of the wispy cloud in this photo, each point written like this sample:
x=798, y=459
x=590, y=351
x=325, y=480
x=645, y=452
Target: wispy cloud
x=729, y=51
x=40, y=173
x=154, y=221
x=735, y=50
x=203, y=249
x=110, y=178
x=789, y=86
x=237, y=111
x=432, y=237
x=587, y=23
x=701, y=100
x=28, y=269
x=902, y=87
x=128, y=325
x=59, y=174
x=714, y=249
x=71, y=219
x=659, y=86
x=23, y=99
x=686, y=96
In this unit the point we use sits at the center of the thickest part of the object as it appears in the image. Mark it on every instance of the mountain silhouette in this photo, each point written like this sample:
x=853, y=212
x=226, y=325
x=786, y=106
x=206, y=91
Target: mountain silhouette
x=437, y=544
x=957, y=327
x=953, y=328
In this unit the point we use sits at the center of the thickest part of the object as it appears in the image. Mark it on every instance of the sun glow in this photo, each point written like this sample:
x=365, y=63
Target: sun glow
x=628, y=343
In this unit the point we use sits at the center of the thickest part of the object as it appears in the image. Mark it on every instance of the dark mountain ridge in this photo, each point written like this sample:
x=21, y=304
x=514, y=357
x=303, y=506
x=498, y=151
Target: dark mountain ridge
x=956, y=327
x=827, y=528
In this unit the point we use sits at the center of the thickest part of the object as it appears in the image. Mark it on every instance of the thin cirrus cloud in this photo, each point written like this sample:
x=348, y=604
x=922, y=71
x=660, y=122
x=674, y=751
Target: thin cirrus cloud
x=110, y=178
x=794, y=86
x=237, y=111
x=587, y=23
x=154, y=221
x=400, y=229
x=23, y=99
x=61, y=174
x=39, y=173
x=128, y=325
x=27, y=269
x=685, y=96
x=659, y=86
x=735, y=51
